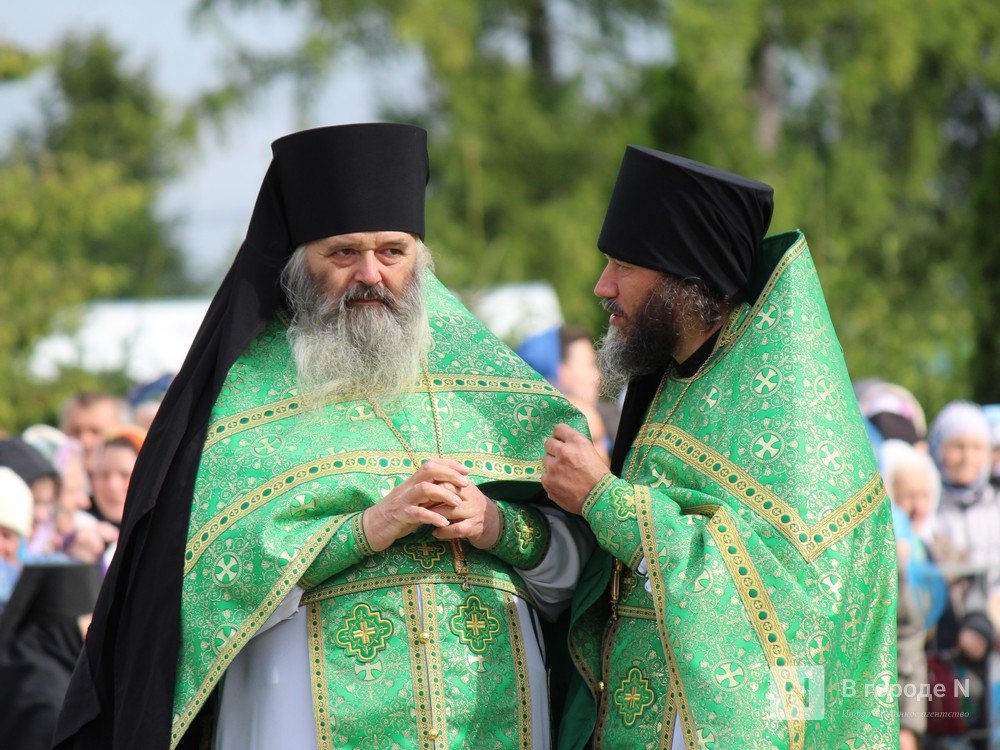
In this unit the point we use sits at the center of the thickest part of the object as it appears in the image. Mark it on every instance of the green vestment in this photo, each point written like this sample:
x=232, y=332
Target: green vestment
x=410, y=647
x=767, y=619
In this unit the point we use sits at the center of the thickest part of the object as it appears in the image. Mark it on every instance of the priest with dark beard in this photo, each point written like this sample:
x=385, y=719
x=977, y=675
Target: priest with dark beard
x=744, y=594
x=335, y=535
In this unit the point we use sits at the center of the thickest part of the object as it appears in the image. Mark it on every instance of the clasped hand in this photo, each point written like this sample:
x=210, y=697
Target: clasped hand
x=437, y=494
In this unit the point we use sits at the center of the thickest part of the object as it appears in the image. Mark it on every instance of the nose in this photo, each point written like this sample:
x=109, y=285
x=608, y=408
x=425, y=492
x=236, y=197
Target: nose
x=606, y=287
x=368, y=271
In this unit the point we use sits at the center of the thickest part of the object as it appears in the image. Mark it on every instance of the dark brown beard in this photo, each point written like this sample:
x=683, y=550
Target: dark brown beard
x=648, y=343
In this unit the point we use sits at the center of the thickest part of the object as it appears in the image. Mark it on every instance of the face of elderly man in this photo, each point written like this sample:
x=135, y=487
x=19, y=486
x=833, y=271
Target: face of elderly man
x=349, y=262
x=359, y=322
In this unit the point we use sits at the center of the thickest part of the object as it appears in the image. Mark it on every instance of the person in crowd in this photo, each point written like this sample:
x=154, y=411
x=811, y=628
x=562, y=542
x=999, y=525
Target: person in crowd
x=894, y=411
x=145, y=399
x=966, y=545
x=992, y=414
x=74, y=501
x=16, y=517
x=968, y=518
x=309, y=553
x=95, y=535
x=743, y=523
x=91, y=416
x=43, y=479
x=914, y=486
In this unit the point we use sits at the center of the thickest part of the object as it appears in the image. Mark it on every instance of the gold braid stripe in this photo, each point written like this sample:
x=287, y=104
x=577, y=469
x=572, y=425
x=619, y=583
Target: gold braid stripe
x=764, y=617
x=367, y=462
x=728, y=336
x=677, y=699
x=321, y=688
x=292, y=572
x=261, y=415
x=246, y=420
x=524, y=730
x=487, y=384
x=414, y=579
x=418, y=667
x=435, y=667
x=637, y=613
x=810, y=541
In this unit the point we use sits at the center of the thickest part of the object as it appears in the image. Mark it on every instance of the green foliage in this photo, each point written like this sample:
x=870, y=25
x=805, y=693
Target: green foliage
x=869, y=118
x=16, y=63
x=983, y=269
x=872, y=120
x=77, y=212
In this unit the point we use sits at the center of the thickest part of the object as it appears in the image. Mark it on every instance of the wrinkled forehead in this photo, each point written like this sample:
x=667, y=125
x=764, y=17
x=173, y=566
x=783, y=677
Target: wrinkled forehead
x=368, y=240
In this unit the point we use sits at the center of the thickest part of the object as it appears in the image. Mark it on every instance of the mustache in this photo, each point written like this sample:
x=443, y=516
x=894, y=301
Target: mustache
x=612, y=307
x=365, y=293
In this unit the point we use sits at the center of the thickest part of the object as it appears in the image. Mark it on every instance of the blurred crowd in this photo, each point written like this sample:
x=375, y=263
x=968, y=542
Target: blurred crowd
x=943, y=482
x=63, y=489
x=62, y=498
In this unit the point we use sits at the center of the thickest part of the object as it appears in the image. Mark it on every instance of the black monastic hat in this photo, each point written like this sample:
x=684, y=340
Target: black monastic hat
x=676, y=215
x=352, y=178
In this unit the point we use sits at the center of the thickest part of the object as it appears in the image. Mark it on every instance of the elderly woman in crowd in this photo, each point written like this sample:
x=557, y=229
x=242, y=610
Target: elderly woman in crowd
x=914, y=486
x=967, y=545
x=968, y=519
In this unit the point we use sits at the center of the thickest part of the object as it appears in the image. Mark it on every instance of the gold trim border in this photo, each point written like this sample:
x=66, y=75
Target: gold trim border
x=677, y=699
x=415, y=579
x=369, y=462
x=320, y=691
x=791, y=254
x=810, y=541
x=581, y=663
x=418, y=667
x=761, y=612
x=435, y=668
x=275, y=411
x=522, y=679
x=636, y=613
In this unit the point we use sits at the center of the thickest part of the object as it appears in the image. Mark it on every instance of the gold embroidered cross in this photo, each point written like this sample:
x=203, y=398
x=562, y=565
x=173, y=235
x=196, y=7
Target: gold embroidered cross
x=475, y=624
x=632, y=697
x=365, y=632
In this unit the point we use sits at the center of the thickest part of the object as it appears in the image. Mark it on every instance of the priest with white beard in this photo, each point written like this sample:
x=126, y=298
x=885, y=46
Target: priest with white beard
x=365, y=548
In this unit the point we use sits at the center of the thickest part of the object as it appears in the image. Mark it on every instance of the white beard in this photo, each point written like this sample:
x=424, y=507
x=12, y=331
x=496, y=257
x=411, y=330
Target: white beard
x=343, y=350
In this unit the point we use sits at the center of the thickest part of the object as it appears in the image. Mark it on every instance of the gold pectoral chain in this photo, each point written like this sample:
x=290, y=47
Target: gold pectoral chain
x=459, y=561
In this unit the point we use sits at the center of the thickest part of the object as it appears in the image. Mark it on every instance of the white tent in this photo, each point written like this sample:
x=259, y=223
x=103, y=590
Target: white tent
x=146, y=339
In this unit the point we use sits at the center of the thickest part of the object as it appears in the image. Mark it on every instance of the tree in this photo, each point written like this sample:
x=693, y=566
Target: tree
x=77, y=210
x=870, y=119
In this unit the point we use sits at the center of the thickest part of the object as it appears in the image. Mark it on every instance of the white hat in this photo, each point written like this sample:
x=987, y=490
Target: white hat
x=16, y=503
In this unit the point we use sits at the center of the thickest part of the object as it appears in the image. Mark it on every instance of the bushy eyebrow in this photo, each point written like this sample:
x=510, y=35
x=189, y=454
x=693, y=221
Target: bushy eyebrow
x=341, y=244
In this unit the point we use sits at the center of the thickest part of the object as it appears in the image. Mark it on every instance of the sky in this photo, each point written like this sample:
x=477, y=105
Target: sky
x=213, y=197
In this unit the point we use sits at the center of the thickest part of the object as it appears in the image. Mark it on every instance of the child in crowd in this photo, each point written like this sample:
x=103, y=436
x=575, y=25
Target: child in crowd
x=16, y=518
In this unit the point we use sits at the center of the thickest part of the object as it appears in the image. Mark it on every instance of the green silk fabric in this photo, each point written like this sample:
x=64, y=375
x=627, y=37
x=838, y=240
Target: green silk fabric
x=278, y=501
x=752, y=492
